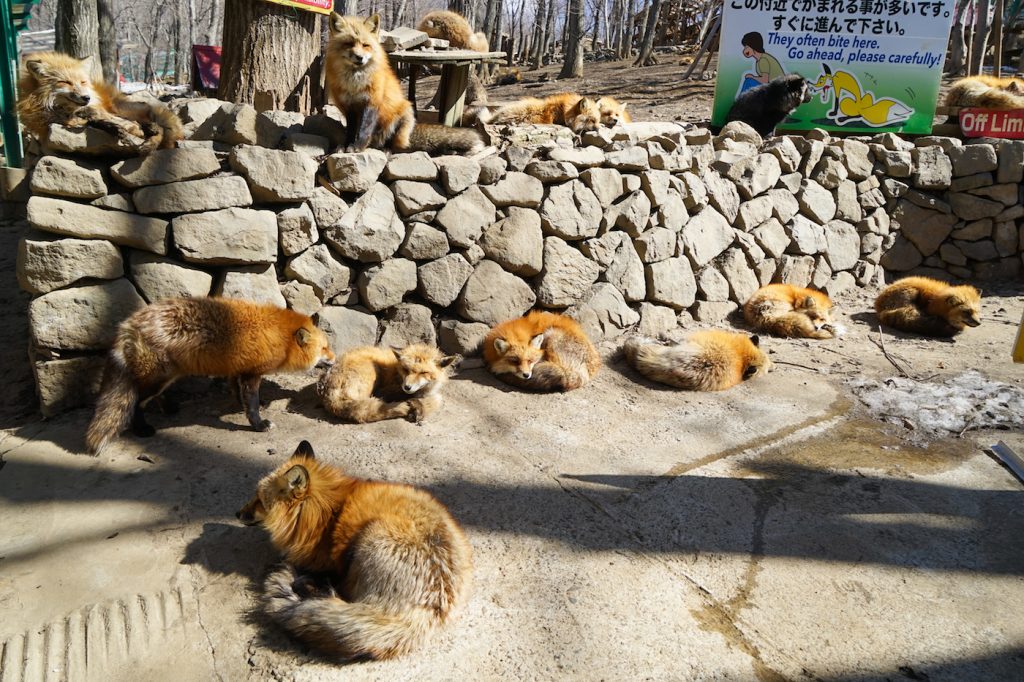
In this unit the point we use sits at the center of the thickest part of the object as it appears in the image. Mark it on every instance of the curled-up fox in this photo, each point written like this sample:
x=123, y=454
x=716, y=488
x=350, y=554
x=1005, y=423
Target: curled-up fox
x=374, y=568
x=370, y=384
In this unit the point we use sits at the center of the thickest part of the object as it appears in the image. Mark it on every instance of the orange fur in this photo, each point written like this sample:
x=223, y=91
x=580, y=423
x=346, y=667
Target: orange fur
x=567, y=109
x=704, y=361
x=364, y=379
x=454, y=28
x=928, y=306
x=58, y=88
x=541, y=351
x=217, y=337
x=613, y=112
x=987, y=92
x=362, y=84
x=394, y=562
x=789, y=311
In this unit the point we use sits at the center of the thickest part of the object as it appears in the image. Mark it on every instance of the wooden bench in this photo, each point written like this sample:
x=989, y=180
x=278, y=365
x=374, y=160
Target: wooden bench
x=454, y=76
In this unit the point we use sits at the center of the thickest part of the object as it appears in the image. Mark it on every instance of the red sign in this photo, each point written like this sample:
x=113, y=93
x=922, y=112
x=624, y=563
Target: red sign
x=207, y=66
x=991, y=123
x=319, y=6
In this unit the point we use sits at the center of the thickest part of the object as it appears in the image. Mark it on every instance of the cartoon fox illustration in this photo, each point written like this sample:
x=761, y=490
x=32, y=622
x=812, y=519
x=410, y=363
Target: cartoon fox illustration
x=704, y=361
x=364, y=379
x=567, y=109
x=988, y=92
x=361, y=82
x=928, y=306
x=850, y=102
x=541, y=352
x=216, y=337
x=57, y=88
x=394, y=564
x=454, y=28
x=613, y=112
x=789, y=311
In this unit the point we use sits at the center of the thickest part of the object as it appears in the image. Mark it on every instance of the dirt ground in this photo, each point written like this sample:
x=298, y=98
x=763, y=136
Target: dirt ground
x=622, y=531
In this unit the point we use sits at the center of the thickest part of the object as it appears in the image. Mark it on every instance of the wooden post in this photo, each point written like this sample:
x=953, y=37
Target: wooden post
x=454, y=81
x=997, y=40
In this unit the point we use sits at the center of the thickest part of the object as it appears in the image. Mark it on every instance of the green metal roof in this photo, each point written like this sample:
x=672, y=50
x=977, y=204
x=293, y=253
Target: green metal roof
x=20, y=12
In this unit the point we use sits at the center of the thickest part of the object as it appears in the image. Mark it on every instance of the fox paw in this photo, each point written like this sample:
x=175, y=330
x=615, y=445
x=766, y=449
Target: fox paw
x=144, y=431
x=264, y=425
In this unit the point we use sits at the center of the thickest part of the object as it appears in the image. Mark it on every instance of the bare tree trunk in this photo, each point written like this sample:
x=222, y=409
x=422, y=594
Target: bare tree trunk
x=958, y=41
x=626, y=47
x=539, y=23
x=107, y=40
x=182, y=45
x=271, y=57
x=549, y=32
x=77, y=31
x=646, y=57
x=572, y=66
x=982, y=23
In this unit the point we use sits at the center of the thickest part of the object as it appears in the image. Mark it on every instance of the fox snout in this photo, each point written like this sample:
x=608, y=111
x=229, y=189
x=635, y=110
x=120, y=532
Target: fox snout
x=361, y=59
x=972, y=320
x=79, y=98
x=526, y=374
x=411, y=386
x=325, y=362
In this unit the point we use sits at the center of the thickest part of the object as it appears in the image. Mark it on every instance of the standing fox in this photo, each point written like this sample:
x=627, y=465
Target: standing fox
x=216, y=337
x=377, y=114
x=358, y=387
x=541, y=352
x=786, y=310
x=397, y=564
x=567, y=109
x=928, y=306
x=57, y=88
x=704, y=361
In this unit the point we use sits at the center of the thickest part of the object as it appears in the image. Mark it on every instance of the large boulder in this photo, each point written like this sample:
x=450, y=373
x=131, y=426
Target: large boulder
x=227, y=237
x=47, y=264
x=82, y=318
x=492, y=295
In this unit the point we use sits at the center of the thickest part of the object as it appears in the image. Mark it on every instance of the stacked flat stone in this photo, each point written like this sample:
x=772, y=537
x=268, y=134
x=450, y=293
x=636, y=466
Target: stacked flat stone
x=644, y=226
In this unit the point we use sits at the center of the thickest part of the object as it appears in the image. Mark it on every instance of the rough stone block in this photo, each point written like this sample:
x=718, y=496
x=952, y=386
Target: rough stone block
x=82, y=318
x=47, y=264
x=80, y=220
x=227, y=237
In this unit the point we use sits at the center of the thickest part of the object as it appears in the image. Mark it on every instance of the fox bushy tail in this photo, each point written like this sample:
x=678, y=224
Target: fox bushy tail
x=437, y=139
x=344, y=629
x=115, y=406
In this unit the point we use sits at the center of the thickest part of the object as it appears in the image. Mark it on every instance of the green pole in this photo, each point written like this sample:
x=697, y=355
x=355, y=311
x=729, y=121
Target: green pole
x=8, y=78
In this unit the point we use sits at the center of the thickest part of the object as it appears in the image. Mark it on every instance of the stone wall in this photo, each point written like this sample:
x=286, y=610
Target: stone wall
x=644, y=227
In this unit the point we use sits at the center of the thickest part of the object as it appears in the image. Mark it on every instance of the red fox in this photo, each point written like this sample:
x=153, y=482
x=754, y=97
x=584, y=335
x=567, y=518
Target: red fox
x=358, y=386
x=704, y=361
x=786, y=310
x=567, y=109
x=988, y=92
x=397, y=565
x=217, y=337
x=361, y=82
x=541, y=352
x=613, y=112
x=57, y=88
x=454, y=28
x=928, y=306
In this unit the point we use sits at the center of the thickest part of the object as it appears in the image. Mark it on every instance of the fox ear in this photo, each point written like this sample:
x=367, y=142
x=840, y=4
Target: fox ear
x=397, y=352
x=336, y=22
x=302, y=337
x=624, y=105
x=585, y=102
x=305, y=450
x=537, y=341
x=373, y=23
x=755, y=339
x=500, y=345
x=827, y=70
x=298, y=480
x=808, y=301
x=953, y=300
x=37, y=68
x=449, y=360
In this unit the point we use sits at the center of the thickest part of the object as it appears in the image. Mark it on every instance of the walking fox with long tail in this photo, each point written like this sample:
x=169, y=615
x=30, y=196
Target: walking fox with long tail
x=393, y=566
x=704, y=361
x=58, y=88
x=370, y=384
x=541, y=352
x=215, y=337
x=361, y=82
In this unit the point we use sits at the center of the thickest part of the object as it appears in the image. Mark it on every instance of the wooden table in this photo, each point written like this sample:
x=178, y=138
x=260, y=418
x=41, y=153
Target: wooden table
x=454, y=76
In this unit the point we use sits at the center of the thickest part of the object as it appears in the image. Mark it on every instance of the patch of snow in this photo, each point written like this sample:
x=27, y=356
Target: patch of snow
x=951, y=406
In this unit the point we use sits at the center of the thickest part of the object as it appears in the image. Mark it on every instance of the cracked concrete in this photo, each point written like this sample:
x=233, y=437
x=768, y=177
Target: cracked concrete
x=622, y=531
